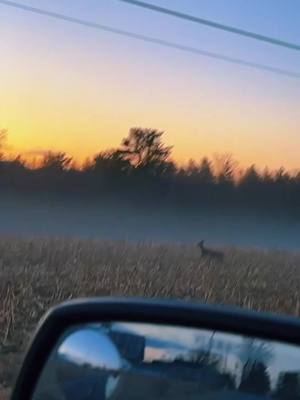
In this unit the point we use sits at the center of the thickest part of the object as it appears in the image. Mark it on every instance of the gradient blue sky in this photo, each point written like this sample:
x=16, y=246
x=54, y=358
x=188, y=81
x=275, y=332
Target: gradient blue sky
x=67, y=87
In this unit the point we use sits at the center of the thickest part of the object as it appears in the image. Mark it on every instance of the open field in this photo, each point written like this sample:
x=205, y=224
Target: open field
x=38, y=273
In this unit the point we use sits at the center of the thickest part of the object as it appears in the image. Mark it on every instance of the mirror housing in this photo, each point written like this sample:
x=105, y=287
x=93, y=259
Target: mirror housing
x=176, y=313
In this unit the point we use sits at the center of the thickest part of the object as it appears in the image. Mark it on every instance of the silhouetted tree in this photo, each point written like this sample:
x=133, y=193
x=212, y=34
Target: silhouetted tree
x=195, y=183
x=267, y=177
x=282, y=176
x=111, y=163
x=141, y=169
x=297, y=177
x=255, y=350
x=204, y=358
x=206, y=175
x=287, y=387
x=192, y=169
x=13, y=172
x=204, y=355
x=225, y=167
x=144, y=148
x=108, y=172
x=200, y=173
x=3, y=134
x=250, y=178
x=229, y=380
x=55, y=161
x=250, y=188
x=255, y=379
x=54, y=174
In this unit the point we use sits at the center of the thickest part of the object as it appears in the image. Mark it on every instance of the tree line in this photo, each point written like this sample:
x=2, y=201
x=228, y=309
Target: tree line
x=141, y=169
x=250, y=374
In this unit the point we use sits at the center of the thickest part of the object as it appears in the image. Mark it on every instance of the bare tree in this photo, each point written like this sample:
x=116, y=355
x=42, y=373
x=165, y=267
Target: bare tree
x=225, y=167
x=255, y=350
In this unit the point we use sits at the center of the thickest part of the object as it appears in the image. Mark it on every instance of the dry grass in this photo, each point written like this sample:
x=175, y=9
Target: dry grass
x=36, y=274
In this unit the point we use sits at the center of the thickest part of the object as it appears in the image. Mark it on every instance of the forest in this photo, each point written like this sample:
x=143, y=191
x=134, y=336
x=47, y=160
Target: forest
x=142, y=170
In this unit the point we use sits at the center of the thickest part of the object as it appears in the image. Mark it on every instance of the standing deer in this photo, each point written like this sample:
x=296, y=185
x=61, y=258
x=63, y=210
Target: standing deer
x=209, y=253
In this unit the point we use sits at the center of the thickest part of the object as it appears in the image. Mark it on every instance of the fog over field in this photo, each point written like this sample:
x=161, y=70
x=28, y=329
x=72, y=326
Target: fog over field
x=131, y=222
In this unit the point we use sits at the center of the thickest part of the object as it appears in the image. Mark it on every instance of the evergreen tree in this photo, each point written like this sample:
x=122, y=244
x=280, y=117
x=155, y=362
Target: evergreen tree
x=255, y=379
x=287, y=387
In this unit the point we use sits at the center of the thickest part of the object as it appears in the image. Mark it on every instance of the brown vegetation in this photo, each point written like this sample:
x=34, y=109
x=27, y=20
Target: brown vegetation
x=38, y=273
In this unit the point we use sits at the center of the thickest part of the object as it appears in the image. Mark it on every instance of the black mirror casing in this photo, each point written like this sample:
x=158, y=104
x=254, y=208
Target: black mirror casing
x=177, y=313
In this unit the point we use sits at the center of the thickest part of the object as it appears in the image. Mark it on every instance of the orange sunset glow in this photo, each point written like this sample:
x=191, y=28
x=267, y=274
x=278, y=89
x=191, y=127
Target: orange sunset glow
x=74, y=89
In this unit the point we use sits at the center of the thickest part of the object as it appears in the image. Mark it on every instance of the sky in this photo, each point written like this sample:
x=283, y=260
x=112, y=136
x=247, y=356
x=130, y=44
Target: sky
x=72, y=88
x=87, y=346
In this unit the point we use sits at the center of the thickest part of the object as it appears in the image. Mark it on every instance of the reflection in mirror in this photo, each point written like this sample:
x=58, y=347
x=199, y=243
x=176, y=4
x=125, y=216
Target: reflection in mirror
x=134, y=361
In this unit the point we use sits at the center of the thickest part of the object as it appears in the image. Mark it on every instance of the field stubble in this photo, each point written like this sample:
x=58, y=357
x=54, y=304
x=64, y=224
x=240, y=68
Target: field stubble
x=38, y=273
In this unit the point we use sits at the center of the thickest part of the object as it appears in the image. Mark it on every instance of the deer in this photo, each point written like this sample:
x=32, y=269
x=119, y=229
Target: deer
x=209, y=253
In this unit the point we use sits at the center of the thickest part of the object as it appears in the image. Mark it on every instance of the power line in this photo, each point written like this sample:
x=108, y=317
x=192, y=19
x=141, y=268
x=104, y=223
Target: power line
x=213, y=24
x=152, y=40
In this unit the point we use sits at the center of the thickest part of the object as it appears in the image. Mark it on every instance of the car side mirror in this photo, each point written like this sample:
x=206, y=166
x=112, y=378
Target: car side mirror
x=133, y=349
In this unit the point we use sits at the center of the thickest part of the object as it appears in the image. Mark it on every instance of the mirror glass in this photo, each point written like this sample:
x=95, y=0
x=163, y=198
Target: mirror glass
x=143, y=361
